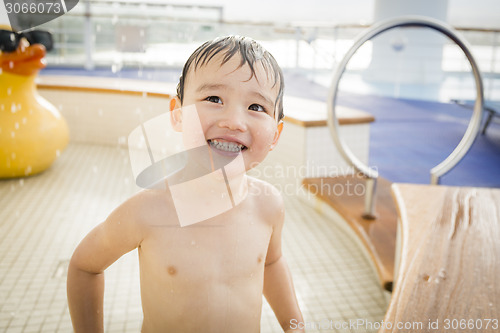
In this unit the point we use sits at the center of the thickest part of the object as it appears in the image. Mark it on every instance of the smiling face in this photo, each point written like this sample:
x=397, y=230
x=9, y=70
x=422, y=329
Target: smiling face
x=236, y=109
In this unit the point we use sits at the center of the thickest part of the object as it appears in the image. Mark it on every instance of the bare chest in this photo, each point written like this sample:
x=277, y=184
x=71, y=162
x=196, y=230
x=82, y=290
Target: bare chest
x=228, y=249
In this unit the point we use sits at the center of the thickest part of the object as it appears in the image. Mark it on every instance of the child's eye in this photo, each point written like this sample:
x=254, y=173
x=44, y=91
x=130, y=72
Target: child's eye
x=214, y=99
x=257, y=107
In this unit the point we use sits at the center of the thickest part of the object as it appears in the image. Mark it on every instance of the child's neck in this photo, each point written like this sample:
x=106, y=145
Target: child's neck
x=199, y=199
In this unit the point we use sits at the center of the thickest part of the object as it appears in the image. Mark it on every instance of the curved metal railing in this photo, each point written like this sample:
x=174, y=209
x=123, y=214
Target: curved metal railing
x=463, y=146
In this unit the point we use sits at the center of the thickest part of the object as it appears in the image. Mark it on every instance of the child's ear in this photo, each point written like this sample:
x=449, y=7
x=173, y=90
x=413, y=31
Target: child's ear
x=277, y=134
x=176, y=114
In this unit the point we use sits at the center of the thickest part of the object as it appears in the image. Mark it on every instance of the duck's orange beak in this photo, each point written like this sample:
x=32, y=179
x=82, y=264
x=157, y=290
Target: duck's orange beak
x=27, y=60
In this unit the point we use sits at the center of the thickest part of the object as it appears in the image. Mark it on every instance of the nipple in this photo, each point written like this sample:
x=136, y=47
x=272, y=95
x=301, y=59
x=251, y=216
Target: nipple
x=171, y=270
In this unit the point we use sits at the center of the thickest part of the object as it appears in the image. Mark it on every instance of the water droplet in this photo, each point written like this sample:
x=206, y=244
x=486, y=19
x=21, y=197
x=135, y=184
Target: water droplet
x=13, y=108
x=13, y=155
x=9, y=91
x=12, y=134
x=25, y=120
x=28, y=170
x=16, y=125
x=11, y=64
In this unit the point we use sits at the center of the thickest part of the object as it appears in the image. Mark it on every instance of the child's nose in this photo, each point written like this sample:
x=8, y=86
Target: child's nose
x=233, y=119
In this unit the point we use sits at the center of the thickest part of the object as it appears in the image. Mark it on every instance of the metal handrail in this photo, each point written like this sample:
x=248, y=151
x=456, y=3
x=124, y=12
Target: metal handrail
x=463, y=146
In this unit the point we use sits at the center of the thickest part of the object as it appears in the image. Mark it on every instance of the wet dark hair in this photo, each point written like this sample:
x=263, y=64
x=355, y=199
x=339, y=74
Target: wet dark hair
x=250, y=52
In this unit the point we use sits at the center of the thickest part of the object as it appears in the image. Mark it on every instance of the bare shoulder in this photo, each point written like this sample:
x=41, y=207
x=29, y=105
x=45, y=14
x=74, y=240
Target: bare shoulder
x=148, y=206
x=268, y=200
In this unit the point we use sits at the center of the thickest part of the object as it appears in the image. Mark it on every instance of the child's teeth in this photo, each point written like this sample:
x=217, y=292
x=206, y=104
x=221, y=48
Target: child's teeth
x=226, y=146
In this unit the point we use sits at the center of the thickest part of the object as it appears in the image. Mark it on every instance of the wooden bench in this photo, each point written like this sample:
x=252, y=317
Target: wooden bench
x=377, y=236
x=106, y=85
x=449, y=262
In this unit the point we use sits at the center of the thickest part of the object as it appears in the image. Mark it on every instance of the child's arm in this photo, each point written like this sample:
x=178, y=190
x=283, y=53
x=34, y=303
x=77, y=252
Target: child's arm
x=278, y=285
x=107, y=242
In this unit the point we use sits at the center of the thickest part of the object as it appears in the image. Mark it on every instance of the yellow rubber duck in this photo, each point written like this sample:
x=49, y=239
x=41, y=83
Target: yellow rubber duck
x=32, y=131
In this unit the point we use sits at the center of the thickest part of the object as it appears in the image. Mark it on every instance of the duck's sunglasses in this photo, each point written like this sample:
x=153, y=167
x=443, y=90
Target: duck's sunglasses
x=9, y=40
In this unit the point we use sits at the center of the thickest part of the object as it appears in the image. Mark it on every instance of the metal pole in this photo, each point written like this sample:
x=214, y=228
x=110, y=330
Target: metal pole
x=472, y=129
x=88, y=36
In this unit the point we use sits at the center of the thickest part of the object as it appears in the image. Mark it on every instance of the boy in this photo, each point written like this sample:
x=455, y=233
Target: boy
x=208, y=276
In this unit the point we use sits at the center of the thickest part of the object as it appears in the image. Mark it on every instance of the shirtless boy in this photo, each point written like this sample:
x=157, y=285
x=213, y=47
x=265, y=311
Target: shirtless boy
x=208, y=276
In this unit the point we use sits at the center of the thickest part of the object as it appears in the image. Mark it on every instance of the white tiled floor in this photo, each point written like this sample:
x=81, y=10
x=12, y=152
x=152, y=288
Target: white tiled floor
x=43, y=218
